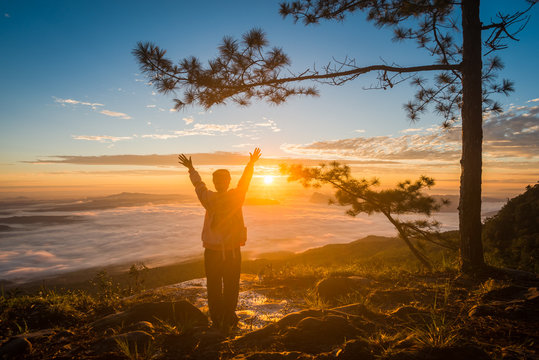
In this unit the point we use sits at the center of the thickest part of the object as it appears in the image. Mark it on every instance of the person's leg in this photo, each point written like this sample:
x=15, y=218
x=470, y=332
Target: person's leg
x=213, y=264
x=231, y=285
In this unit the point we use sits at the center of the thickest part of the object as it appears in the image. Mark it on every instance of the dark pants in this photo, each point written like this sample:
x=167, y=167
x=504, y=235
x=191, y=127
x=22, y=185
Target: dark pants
x=223, y=284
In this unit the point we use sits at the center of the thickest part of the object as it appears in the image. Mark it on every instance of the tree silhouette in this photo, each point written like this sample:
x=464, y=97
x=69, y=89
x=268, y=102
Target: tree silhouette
x=406, y=198
x=249, y=69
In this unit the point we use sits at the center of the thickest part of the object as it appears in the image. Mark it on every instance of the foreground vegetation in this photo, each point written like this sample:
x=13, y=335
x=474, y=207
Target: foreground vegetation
x=368, y=298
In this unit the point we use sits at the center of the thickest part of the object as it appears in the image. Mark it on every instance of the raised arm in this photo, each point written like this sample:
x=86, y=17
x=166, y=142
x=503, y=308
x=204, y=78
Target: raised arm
x=247, y=175
x=200, y=186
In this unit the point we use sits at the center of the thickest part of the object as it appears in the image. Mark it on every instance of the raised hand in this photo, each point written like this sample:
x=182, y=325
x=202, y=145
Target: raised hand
x=187, y=162
x=255, y=155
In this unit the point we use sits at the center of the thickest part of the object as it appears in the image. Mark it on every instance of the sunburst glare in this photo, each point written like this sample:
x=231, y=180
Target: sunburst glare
x=268, y=179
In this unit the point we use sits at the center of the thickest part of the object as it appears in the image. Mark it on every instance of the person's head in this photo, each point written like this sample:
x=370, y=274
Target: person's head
x=221, y=180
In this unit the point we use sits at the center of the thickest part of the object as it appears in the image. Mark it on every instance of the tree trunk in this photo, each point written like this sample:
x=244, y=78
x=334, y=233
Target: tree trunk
x=471, y=247
x=422, y=258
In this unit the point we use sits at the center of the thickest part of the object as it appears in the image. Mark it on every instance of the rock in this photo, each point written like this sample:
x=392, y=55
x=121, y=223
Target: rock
x=308, y=331
x=293, y=318
x=482, y=310
x=511, y=302
x=532, y=295
x=261, y=338
x=330, y=322
x=139, y=339
x=38, y=334
x=285, y=355
x=315, y=335
x=360, y=310
x=356, y=349
x=142, y=325
x=444, y=353
x=394, y=298
x=178, y=345
x=15, y=348
x=506, y=293
x=181, y=313
x=407, y=313
x=332, y=288
x=309, y=323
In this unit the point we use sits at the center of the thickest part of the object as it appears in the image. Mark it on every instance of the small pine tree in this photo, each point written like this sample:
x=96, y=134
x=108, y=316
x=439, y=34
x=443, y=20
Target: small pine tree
x=406, y=198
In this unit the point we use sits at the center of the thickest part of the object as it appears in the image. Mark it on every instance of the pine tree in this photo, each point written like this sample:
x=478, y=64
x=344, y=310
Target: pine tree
x=250, y=69
x=406, y=198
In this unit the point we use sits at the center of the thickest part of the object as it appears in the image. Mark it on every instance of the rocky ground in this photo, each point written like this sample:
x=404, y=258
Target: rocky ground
x=403, y=316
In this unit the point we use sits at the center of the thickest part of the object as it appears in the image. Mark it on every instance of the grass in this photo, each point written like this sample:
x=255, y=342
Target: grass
x=131, y=350
x=436, y=331
x=24, y=313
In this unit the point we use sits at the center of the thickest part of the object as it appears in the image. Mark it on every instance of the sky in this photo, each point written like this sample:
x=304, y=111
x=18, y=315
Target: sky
x=78, y=117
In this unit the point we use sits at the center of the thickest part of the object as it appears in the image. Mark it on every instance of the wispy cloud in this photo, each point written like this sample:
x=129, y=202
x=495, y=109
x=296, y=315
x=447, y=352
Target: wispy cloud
x=115, y=114
x=359, y=131
x=247, y=129
x=269, y=124
x=76, y=102
x=93, y=106
x=151, y=106
x=411, y=130
x=217, y=158
x=511, y=136
x=101, y=138
x=159, y=136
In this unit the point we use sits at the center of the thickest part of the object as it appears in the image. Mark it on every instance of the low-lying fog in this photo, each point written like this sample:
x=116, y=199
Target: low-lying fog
x=41, y=239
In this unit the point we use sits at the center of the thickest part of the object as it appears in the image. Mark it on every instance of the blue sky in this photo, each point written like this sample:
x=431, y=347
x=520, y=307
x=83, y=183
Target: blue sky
x=69, y=84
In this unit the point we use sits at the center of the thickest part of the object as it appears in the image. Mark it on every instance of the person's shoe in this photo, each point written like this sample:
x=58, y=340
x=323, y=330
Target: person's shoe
x=234, y=320
x=230, y=323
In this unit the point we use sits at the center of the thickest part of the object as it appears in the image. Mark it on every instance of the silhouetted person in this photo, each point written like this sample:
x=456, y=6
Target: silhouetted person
x=222, y=235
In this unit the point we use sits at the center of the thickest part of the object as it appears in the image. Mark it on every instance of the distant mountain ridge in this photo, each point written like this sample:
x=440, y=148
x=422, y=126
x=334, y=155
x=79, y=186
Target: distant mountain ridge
x=124, y=199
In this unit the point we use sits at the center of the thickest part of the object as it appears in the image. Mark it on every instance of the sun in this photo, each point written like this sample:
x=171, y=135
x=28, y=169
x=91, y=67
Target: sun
x=268, y=179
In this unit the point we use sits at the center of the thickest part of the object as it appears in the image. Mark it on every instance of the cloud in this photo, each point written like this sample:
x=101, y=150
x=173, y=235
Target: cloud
x=533, y=100
x=247, y=129
x=269, y=124
x=76, y=102
x=150, y=233
x=6, y=15
x=219, y=128
x=510, y=136
x=405, y=131
x=102, y=138
x=115, y=114
x=93, y=106
x=359, y=130
x=406, y=147
x=159, y=136
x=216, y=158
x=150, y=106
x=243, y=145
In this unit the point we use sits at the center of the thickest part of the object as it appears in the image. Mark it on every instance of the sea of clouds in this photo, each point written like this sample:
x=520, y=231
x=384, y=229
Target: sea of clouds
x=159, y=234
